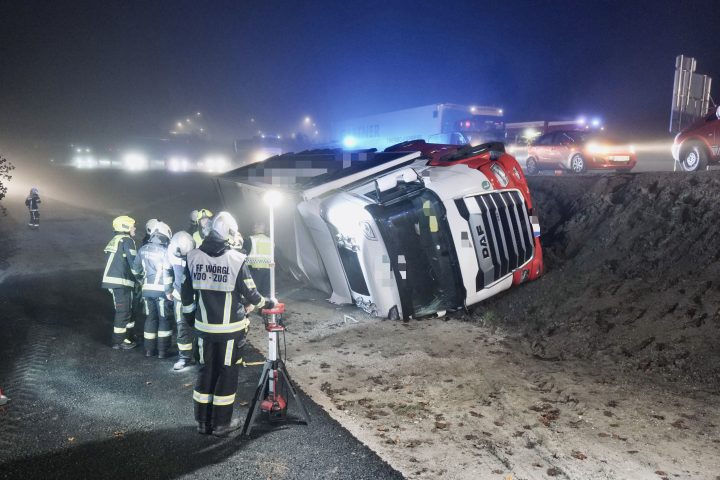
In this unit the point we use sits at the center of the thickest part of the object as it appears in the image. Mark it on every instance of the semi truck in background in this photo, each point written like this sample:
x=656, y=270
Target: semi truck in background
x=414, y=231
x=440, y=123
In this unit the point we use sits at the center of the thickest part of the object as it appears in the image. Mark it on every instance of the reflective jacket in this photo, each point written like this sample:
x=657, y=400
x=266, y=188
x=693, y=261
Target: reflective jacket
x=216, y=280
x=120, y=255
x=33, y=202
x=150, y=265
x=260, y=251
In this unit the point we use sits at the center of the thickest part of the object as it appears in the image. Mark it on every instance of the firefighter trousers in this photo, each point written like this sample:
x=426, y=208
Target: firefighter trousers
x=157, y=331
x=34, y=218
x=217, y=381
x=123, y=323
x=185, y=333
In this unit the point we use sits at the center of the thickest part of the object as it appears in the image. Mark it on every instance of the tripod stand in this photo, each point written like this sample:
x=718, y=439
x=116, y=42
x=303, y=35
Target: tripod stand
x=268, y=397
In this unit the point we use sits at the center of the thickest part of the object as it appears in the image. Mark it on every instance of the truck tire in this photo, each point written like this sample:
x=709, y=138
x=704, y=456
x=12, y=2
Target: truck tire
x=577, y=163
x=693, y=158
x=531, y=166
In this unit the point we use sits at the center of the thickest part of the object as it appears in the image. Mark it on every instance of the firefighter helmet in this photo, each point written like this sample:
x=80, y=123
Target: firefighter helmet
x=162, y=228
x=181, y=243
x=225, y=226
x=123, y=223
x=151, y=225
x=194, y=217
x=204, y=213
x=34, y=191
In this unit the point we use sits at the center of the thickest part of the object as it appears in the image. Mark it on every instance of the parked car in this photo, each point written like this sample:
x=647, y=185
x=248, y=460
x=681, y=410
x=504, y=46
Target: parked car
x=578, y=151
x=698, y=145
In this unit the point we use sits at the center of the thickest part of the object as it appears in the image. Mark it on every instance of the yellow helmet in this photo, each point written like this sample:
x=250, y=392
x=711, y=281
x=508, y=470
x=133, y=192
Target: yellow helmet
x=204, y=213
x=123, y=223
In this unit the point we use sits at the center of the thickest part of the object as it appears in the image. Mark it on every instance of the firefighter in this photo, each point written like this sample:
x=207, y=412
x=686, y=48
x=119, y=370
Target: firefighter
x=150, y=265
x=180, y=244
x=32, y=202
x=216, y=280
x=203, y=226
x=120, y=281
x=259, y=257
x=193, y=222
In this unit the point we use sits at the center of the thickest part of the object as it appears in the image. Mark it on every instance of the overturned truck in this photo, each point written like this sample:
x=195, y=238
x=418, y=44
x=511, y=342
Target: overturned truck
x=416, y=230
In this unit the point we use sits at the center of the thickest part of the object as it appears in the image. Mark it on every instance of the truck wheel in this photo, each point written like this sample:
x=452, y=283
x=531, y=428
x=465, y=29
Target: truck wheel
x=577, y=163
x=531, y=166
x=694, y=159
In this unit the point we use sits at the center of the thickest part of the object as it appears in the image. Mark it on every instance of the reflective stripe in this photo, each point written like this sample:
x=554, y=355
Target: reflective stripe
x=154, y=287
x=223, y=400
x=188, y=308
x=133, y=252
x=147, y=309
x=150, y=336
x=250, y=283
x=162, y=306
x=222, y=327
x=184, y=346
x=228, y=352
x=202, y=350
x=433, y=223
x=202, y=397
x=227, y=309
x=118, y=281
x=130, y=325
x=203, y=313
x=112, y=293
x=119, y=330
x=164, y=333
x=260, y=305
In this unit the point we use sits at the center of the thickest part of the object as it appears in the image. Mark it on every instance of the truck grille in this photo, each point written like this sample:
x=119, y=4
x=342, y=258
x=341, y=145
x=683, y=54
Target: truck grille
x=502, y=233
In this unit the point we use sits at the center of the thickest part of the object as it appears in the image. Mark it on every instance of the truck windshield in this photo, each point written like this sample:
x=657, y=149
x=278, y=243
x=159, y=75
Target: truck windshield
x=422, y=256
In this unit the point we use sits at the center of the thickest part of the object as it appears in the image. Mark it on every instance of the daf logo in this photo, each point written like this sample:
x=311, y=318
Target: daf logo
x=486, y=185
x=482, y=240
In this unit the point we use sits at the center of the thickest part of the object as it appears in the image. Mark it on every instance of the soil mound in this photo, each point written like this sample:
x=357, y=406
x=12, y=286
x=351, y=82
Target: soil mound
x=632, y=275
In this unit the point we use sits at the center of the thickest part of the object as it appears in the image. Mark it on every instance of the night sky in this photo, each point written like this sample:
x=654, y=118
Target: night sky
x=102, y=69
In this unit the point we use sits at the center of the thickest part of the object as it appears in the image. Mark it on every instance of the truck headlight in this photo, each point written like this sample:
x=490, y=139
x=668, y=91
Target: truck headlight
x=499, y=174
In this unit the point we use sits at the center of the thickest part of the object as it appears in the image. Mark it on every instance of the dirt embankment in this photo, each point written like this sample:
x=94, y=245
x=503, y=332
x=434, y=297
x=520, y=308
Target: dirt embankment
x=632, y=275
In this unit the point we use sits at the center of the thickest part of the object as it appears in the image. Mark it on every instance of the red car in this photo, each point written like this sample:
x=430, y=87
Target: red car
x=578, y=151
x=698, y=145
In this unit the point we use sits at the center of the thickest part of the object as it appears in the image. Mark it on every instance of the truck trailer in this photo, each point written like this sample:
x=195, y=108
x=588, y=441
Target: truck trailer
x=444, y=123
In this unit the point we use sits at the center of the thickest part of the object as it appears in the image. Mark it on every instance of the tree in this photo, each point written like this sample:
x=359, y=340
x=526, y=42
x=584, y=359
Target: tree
x=5, y=168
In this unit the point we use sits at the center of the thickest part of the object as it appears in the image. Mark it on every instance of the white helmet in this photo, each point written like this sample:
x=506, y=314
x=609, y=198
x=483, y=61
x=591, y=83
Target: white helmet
x=162, y=228
x=151, y=225
x=34, y=191
x=194, y=216
x=181, y=243
x=225, y=225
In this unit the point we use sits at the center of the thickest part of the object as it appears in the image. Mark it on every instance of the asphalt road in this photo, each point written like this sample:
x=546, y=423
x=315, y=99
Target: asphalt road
x=82, y=410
